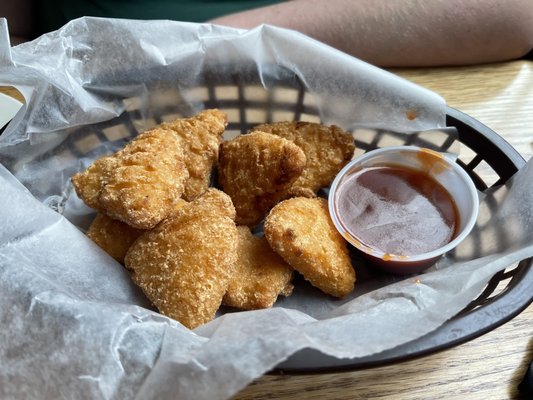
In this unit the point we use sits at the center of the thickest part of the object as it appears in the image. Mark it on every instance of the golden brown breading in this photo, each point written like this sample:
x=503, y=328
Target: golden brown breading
x=217, y=202
x=301, y=231
x=327, y=149
x=261, y=274
x=114, y=237
x=144, y=187
x=255, y=169
x=185, y=263
x=201, y=136
x=88, y=183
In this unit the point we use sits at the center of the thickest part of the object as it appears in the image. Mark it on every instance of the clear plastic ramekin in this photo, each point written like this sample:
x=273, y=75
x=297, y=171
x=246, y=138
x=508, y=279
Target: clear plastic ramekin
x=439, y=167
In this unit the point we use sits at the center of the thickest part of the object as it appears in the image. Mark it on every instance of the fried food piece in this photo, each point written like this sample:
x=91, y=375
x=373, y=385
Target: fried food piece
x=327, y=149
x=217, y=202
x=261, y=274
x=185, y=263
x=301, y=231
x=116, y=237
x=139, y=184
x=149, y=179
x=255, y=169
x=201, y=136
x=88, y=184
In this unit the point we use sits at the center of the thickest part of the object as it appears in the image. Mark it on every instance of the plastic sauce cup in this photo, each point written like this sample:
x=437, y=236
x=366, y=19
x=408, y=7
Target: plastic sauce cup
x=441, y=178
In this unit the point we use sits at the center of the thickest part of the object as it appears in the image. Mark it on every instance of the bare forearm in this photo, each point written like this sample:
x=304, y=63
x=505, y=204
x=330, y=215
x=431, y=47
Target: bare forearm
x=407, y=32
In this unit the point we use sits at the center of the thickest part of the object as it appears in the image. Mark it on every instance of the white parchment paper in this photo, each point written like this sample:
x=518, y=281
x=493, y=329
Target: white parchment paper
x=73, y=324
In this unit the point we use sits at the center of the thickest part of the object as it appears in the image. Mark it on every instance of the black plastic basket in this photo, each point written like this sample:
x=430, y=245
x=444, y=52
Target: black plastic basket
x=507, y=293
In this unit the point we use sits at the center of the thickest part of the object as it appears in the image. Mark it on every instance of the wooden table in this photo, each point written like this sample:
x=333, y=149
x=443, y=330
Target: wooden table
x=491, y=366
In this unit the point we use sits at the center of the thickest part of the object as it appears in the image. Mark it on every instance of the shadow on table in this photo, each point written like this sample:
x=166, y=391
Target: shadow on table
x=524, y=375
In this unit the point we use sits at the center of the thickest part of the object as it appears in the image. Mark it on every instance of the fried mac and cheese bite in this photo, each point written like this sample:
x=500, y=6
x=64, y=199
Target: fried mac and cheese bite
x=301, y=231
x=327, y=149
x=89, y=183
x=200, y=136
x=116, y=237
x=149, y=179
x=184, y=264
x=255, y=169
x=261, y=275
x=140, y=184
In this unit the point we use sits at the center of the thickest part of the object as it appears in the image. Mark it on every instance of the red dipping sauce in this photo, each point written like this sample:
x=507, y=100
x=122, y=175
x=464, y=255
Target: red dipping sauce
x=397, y=210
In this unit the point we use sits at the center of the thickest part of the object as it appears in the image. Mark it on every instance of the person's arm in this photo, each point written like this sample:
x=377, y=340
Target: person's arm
x=406, y=32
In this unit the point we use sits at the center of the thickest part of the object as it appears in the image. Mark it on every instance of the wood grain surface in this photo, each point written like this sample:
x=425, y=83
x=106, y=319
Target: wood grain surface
x=488, y=367
x=491, y=366
x=11, y=91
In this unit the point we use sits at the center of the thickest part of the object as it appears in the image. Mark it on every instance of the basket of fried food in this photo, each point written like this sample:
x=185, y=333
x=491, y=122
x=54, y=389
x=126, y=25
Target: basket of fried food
x=193, y=243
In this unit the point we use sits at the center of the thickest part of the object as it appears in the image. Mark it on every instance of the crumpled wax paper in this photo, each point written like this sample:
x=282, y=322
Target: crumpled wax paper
x=73, y=324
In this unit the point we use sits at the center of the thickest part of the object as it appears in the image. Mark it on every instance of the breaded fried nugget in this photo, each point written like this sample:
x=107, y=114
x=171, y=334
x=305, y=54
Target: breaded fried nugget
x=185, y=263
x=149, y=179
x=301, y=231
x=116, y=237
x=261, y=274
x=88, y=184
x=216, y=202
x=255, y=169
x=327, y=149
x=201, y=136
